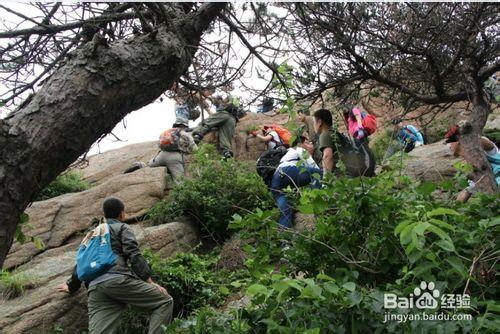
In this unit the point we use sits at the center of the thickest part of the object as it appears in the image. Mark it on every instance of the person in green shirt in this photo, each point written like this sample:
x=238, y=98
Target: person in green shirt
x=323, y=123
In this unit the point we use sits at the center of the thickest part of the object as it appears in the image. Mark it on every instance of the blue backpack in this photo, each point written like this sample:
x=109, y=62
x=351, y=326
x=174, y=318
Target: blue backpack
x=95, y=255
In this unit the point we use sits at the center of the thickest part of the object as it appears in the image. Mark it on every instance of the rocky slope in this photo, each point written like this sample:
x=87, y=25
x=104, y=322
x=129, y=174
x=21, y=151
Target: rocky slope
x=60, y=223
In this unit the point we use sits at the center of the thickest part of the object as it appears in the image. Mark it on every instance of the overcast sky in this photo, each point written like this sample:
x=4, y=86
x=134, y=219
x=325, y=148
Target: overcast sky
x=147, y=123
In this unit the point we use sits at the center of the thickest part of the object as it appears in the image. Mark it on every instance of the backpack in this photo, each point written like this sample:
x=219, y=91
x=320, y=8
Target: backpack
x=169, y=140
x=357, y=157
x=284, y=134
x=369, y=122
x=95, y=255
x=268, y=162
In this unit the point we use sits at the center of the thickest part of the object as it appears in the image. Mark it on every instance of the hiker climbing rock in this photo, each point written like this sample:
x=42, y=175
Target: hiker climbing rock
x=332, y=145
x=111, y=284
x=273, y=135
x=294, y=167
x=492, y=154
x=224, y=120
x=408, y=137
x=174, y=144
x=266, y=106
x=359, y=123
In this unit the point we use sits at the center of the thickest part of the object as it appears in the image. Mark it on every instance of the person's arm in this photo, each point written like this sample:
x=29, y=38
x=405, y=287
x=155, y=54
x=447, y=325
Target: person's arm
x=266, y=138
x=130, y=249
x=72, y=285
x=328, y=162
x=140, y=267
x=357, y=114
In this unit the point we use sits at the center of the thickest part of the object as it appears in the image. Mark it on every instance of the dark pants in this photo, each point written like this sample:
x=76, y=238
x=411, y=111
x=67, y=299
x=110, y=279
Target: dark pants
x=295, y=177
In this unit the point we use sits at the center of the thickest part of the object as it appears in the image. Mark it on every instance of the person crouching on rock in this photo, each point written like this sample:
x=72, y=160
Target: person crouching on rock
x=492, y=154
x=224, y=120
x=111, y=284
x=174, y=144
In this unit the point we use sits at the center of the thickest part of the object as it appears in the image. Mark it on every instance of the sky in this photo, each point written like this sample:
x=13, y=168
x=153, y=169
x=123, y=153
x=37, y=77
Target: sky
x=147, y=123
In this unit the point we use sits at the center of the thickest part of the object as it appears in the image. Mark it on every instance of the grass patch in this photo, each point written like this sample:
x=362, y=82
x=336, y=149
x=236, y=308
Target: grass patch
x=14, y=285
x=69, y=182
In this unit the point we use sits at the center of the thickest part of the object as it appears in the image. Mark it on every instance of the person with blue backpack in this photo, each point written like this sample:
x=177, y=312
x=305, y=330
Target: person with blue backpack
x=408, y=137
x=102, y=265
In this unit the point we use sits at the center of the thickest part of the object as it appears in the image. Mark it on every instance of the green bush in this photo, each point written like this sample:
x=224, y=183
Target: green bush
x=216, y=191
x=14, y=285
x=377, y=235
x=190, y=279
x=69, y=182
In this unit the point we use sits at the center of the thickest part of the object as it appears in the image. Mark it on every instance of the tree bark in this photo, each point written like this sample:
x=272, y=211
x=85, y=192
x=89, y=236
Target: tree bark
x=470, y=134
x=84, y=99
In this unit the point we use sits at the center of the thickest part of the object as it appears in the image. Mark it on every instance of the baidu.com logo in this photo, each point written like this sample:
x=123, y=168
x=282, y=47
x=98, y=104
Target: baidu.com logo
x=425, y=297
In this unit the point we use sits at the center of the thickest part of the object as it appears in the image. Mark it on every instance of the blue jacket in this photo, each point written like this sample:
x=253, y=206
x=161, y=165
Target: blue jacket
x=409, y=133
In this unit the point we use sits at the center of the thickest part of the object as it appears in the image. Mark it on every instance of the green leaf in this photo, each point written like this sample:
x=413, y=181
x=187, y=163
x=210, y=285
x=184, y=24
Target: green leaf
x=442, y=224
x=224, y=290
x=401, y=226
x=442, y=212
x=332, y=288
x=236, y=284
x=257, y=289
x=447, y=245
x=405, y=236
x=324, y=277
x=24, y=218
x=420, y=228
x=38, y=243
x=442, y=234
x=349, y=286
x=458, y=265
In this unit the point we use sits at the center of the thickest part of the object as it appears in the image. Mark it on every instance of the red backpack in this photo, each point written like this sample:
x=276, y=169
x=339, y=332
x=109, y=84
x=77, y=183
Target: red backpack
x=369, y=122
x=169, y=140
x=284, y=134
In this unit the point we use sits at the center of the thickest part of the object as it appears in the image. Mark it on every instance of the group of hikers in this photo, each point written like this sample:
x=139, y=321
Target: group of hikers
x=289, y=160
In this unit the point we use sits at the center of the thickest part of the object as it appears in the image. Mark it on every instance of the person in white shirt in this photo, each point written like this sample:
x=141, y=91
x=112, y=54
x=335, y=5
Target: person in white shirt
x=269, y=136
x=296, y=169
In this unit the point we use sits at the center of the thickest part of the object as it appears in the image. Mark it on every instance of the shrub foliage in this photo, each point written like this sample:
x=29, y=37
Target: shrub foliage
x=216, y=191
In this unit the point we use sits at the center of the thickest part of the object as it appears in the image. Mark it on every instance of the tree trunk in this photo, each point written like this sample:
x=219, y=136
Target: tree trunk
x=470, y=144
x=84, y=99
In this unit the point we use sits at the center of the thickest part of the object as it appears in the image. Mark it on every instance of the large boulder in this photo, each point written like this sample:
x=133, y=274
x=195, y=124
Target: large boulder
x=58, y=221
x=42, y=309
x=101, y=167
x=432, y=162
x=60, y=224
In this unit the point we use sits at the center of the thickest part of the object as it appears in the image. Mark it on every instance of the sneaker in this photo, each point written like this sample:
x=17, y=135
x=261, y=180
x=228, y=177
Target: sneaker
x=197, y=138
x=227, y=155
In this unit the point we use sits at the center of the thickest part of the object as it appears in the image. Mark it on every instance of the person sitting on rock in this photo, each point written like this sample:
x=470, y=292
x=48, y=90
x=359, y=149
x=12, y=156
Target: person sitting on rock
x=492, y=154
x=174, y=144
x=110, y=293
x=408, y=137
x=224, y=120
x=296, y=169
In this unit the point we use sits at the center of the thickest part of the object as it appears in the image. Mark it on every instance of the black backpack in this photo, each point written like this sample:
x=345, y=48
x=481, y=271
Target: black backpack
x=356, y=156
x=268, y=162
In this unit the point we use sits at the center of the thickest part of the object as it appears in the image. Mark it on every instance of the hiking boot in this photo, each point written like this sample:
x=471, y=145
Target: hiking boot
x=227, y=155
x=197, y=138
x=135, y=166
